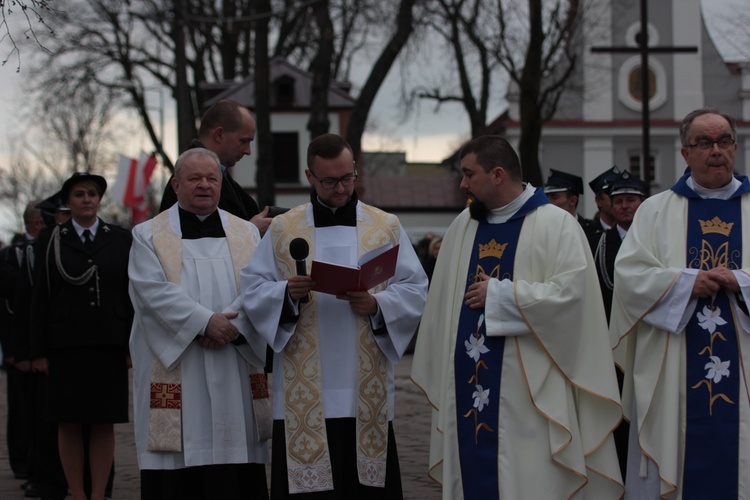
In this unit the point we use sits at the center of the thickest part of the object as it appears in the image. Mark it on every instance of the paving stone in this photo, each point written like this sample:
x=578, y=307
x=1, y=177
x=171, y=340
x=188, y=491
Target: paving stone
x=411, y=426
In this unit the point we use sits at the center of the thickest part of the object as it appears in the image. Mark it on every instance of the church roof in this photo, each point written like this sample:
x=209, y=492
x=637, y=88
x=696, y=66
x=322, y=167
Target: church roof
x=290, y=89
x=430, y=193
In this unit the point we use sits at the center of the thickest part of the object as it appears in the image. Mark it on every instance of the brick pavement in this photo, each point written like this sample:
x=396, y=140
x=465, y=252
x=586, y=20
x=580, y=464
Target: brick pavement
x=411, y=427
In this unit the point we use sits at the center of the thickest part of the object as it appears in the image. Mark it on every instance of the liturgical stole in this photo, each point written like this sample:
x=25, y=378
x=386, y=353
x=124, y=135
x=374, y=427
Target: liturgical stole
x=713, y=369
x=308, y=459
x=478, y=359
x=165, y=418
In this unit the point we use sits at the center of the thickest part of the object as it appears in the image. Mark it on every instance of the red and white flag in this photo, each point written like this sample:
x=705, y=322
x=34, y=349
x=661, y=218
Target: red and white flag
x=132, y=180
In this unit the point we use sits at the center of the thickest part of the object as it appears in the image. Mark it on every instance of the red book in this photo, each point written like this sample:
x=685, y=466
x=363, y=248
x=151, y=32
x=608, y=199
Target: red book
x=335, y=279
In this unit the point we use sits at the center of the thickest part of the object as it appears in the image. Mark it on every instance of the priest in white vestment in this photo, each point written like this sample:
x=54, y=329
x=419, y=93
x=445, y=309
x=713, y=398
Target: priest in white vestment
x=197, y=362
x=512, y=352
x=333, y=365
x=679, y=313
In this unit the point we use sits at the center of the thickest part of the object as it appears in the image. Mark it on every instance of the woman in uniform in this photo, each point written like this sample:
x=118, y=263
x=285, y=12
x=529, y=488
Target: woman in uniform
x=81, y=318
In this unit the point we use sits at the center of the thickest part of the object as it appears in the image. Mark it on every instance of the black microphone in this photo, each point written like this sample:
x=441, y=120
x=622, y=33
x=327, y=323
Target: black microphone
x=299, y=250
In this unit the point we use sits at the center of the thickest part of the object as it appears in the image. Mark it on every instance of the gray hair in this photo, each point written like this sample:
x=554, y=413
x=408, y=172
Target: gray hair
x=687, y=122
x=195, y=152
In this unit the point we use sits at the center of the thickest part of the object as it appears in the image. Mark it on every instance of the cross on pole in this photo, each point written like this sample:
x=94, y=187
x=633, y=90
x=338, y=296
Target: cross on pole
x=644, y=49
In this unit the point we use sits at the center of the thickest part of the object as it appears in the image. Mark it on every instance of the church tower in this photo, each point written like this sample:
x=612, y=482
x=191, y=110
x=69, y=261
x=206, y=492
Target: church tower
x=599, y=124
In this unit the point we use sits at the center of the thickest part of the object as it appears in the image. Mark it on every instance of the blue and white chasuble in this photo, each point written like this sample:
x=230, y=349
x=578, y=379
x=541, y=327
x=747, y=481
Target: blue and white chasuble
x=713, y=369
x=479, y=359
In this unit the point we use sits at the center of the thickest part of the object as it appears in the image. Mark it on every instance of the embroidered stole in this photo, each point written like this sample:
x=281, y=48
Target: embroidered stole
x=478, y=362
x=165, y=423
x=713, y=367
x=308, y=460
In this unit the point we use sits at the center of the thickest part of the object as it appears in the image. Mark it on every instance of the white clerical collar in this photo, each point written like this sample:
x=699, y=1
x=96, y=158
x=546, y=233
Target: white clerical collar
x=80, y=229
x=332, y=209
x=502, y=214
x=200, y=217
x=621, y=231
x=604, y=225
x=722, y=193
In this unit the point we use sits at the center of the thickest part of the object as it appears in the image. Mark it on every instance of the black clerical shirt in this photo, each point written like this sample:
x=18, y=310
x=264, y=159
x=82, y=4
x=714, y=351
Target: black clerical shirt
x=193, y=228
x=343, y=216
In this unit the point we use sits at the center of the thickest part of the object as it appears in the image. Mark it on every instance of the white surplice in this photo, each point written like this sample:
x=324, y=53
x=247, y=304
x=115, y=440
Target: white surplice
x=218, y=424
x=400, y=307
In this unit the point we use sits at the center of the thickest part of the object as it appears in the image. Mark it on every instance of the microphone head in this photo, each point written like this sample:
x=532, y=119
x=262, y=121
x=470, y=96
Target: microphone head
x=299, y=249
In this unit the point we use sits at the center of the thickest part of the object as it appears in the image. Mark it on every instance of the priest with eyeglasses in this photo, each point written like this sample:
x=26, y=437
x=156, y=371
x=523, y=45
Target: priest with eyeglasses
x=333, y=383
x=679, y=314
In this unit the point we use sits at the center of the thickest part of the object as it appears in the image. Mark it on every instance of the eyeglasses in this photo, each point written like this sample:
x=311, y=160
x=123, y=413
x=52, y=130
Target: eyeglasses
x=723, y=143
x=330, y=183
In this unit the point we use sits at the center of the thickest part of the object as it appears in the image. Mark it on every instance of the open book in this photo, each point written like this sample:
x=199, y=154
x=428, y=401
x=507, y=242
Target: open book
x=375, y=267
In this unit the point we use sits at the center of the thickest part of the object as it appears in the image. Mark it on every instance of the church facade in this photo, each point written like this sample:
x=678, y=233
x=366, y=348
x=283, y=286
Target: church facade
x=600, y=125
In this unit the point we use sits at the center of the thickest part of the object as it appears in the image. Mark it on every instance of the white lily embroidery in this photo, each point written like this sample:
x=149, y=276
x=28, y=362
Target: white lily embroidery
x=710, y=319
x=717, y=369
x=475, y=346
x=481, y=397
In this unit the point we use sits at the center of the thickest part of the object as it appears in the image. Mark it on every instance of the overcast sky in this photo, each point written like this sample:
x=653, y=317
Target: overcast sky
x=425, y=136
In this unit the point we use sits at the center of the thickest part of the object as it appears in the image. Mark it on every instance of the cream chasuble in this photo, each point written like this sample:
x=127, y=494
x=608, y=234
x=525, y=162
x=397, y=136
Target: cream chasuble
x=648, y=265
x=558, y=400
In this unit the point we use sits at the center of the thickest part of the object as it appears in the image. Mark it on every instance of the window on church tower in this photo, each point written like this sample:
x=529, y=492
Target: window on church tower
x=634, y=84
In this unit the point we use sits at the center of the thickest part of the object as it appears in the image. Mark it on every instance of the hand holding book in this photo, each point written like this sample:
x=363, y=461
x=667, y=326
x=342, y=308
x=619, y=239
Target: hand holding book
x=375, y=267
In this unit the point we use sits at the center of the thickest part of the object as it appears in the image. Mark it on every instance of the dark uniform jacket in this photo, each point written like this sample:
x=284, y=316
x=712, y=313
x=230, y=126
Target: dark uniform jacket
x=604, y=248
x=234, y=199
x=12, y=268
x=95, y=313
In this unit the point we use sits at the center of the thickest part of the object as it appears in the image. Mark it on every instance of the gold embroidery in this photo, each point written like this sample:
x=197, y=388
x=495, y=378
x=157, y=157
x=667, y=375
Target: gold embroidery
x=308, y=462
x=709, y=258
x=492, y=249
x=716, y=225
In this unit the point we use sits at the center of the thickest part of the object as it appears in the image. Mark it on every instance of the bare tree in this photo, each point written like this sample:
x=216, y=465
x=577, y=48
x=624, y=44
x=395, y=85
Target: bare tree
x=33, y=13
x=22, y=181
x=534, y=43
x=349, y=29
x=76, y=118
x=264, y=175
x=549, y=62
x=405, y=26
x=128, y=46
x=467, y=28
x=730, y=29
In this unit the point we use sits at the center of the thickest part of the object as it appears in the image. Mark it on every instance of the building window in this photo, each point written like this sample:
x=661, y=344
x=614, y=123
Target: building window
x=634, y=84
x=634, y=166
x=286, y=158
x=283, y=88
x=633, y=35
x=629, y=83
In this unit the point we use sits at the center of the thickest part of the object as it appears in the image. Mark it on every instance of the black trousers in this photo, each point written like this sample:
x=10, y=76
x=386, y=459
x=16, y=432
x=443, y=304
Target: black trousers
x=18, y=431
x=342, y=448
x=206, y=482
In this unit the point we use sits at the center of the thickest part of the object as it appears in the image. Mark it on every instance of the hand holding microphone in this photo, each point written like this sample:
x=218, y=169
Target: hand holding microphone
x=299, y=286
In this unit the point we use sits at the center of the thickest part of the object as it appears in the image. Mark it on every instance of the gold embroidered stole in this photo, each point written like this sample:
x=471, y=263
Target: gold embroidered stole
x=308, y=460
x=165, y=423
